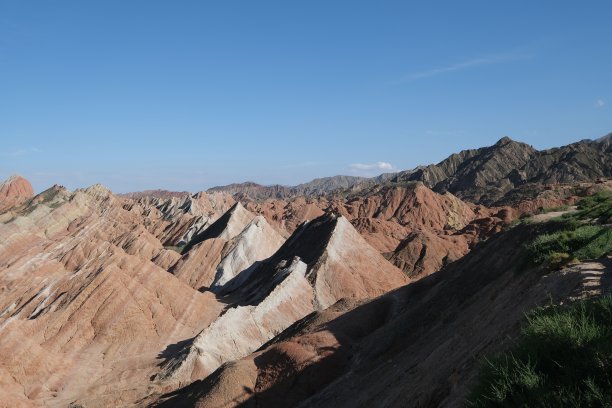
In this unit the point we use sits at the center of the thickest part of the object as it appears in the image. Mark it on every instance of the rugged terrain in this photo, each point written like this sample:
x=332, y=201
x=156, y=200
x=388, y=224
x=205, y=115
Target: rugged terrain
x=339, y=292
x=86, y=302
x=315, y=187
x=89, y=313
x=485, y=175
x=415, y=346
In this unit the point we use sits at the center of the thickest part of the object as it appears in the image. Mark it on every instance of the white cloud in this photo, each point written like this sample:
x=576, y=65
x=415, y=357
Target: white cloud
x=599, y=103
x=373, y=166
x=444, y=133
x=20, y=152
x=491, y=59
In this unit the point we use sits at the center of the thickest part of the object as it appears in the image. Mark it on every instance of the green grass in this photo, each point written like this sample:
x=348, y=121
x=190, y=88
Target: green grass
x=553, y=209
x=178, y=249
x=580, y=243
x=577, y=236
x=46, y=198
x=596, y=207
x=563, y=358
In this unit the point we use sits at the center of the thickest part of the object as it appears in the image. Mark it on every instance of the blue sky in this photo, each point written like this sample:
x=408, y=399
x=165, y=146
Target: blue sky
x=185, y=95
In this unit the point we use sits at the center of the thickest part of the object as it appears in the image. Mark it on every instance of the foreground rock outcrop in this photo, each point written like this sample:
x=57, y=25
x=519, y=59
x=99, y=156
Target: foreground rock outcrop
x=415, y=346
x=85, y=281
x=325, y=260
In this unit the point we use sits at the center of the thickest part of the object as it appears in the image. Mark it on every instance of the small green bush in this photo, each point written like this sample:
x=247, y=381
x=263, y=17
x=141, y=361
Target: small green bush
x=563, y=358
x=178, y=248
x=583, y=242
x=580, y=235
x=553, y=209
x=597, y=206
x=557, y=259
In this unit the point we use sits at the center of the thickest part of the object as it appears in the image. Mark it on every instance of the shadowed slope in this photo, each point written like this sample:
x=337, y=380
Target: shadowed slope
x=324, y=260
x=415, y=346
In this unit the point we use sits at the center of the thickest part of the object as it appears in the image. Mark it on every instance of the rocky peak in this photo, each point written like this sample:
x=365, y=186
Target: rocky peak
x=340, y=263
x=228, y=226
x=98, y=190
x=504, y=141
x=605, y=140
x=13, y=191
x=325, y=260
x=16, y=186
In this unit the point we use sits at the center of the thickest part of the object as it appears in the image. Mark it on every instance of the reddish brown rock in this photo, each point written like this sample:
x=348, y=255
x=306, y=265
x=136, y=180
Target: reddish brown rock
x=420, y=345
x=177, y=219
x=391, y=217
x=84, y=309
x=236, y=241
x=423, y=252
x=287, y=215
x=325, y=260
x=14, y=191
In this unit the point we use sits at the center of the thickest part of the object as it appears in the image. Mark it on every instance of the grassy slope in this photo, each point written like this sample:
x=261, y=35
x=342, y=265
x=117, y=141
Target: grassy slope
x=562, y=359
x=577, y=236
x=564, y=354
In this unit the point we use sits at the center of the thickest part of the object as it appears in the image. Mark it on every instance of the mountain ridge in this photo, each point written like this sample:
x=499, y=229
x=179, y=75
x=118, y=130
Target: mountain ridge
x=482, y=175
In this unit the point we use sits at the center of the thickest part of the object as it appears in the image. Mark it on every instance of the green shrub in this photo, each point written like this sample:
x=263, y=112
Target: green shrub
x=554, y=209
x=557, y=259
x=178, y=248
x=597, y=206
x=563, y=358
x=599, y=244
x=579, y=235
x=583, y=242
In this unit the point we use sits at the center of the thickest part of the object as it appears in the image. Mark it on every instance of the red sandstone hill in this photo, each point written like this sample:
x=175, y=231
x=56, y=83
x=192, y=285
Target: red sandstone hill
x=414, y=227
x=414, y=346
x=90, y=309
x=13, y=191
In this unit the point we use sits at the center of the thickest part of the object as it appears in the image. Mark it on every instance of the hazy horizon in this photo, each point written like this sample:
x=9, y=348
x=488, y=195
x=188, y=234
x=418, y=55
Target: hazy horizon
x=152, y=95
x=376, y=168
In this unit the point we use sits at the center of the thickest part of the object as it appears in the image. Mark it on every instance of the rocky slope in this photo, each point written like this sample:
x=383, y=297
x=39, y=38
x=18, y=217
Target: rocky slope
x=176, y=220
x=414, y=346
x=353, y=293
x=417, y=229
x=232, y=244
x=487, y=174
x=316, y=187
x=86, y=280
x=325, y=260
x=85, y=308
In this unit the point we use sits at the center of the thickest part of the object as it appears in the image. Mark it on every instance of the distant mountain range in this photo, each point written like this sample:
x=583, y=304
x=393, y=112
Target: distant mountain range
x=319, y=186
x=483, y=175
